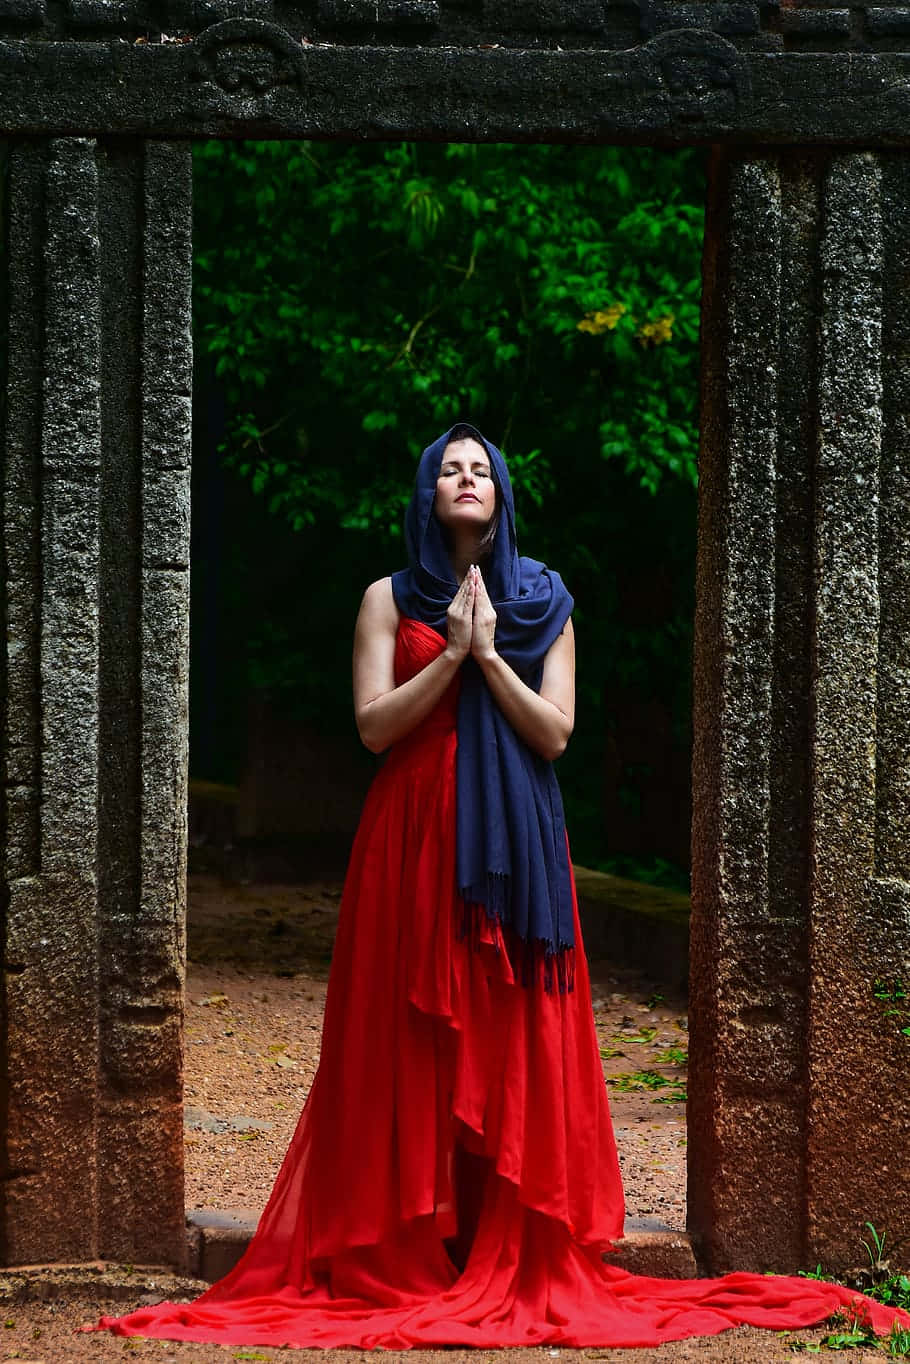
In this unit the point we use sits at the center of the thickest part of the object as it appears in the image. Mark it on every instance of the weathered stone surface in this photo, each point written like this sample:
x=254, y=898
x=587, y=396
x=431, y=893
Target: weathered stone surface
x=374, y=14
x=249, y=77
x=859, y=927
x=712, y=16
x=145, y=916
x=50, y=1094
x=141, y=1178
x=95, y=1283
x=793, y=923
x=733, y=708
x=888, y=21
x=216, y=1239
x=821, y=23
x=649, y=1247
x=542, y=16
x=610, y=25
x=50, y=722
x=94, y=518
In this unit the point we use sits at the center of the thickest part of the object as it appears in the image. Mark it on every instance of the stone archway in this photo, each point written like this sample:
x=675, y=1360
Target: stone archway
x=801, y=837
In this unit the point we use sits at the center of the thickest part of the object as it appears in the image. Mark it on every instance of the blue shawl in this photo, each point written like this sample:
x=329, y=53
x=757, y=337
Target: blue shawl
x=511, y=853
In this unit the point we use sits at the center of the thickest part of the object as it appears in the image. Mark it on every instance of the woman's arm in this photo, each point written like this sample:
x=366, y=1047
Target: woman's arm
x=386, y=713
x=544, y=719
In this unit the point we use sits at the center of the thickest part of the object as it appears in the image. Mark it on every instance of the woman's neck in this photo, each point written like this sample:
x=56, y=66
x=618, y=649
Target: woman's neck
x=464, y=554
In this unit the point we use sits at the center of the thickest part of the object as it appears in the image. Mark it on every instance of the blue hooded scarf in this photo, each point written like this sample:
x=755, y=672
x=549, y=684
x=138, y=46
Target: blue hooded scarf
x=511, y=852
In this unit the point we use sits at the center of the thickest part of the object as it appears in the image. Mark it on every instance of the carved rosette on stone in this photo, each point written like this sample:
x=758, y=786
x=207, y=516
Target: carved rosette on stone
x=702, y=77
x=240, y=67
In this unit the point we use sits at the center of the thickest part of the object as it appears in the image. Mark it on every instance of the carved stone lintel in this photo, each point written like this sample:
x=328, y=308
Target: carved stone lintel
x=246, y=57
x=703, y=78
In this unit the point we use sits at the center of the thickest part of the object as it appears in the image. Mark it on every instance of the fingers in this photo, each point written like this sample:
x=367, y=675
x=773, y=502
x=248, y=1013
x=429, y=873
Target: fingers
x=480, y=587
x=472, y=589
x=467, y=590
x=461, y=607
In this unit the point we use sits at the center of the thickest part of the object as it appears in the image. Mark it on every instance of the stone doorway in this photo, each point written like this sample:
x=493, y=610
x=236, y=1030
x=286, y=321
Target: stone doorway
x=801, y=838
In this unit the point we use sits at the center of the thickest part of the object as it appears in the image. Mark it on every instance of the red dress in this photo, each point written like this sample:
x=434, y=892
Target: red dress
x=435, y=1060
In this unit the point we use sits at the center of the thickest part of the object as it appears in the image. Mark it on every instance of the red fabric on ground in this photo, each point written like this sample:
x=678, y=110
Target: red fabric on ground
x=430, y=1048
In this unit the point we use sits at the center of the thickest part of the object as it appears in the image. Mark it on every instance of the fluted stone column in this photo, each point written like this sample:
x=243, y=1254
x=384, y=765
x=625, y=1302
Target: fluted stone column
x=95, y=546
x=799, y=1120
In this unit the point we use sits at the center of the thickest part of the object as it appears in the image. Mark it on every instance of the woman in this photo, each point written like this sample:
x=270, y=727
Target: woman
x=453, y=1178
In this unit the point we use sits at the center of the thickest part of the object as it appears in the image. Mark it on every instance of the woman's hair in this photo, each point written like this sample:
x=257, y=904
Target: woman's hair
x=464, y=432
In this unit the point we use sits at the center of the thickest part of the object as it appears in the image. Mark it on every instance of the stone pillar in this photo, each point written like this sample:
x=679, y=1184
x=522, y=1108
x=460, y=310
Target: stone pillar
x=95, y=548
x=799, y=1120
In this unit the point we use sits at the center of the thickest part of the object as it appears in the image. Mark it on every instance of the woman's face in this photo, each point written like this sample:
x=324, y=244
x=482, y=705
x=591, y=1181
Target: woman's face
x=465, y=491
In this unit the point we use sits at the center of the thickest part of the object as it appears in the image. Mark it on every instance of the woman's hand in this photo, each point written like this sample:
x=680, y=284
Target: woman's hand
x=460, y=618
x=484, y=634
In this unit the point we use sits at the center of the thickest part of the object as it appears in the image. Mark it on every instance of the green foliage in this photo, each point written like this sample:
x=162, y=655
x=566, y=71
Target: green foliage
x=352, y=301
x=672, y=1056
x=356, y=299
x=894, y=997
x=853, y=1329
x=634, y=1081
x=853, y=1332
x=643, y=1037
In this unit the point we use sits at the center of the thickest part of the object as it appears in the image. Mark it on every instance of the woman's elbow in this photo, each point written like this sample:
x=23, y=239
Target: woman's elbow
x=373, y=745
x=369, y=736
x=560, y=741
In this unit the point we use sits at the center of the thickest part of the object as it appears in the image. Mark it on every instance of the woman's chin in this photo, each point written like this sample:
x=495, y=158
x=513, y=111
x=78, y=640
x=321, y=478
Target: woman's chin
x=464, y=516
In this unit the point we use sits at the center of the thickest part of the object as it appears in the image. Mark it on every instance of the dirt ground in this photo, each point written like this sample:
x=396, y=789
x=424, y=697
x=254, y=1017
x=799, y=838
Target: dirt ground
x=258, y=962
x=44, y=1334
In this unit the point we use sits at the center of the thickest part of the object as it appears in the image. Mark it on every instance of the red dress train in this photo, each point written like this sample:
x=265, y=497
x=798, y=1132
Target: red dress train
x=436, y=1062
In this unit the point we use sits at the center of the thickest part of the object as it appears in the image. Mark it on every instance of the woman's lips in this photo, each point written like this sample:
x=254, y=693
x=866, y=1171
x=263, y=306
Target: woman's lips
x=467, y=497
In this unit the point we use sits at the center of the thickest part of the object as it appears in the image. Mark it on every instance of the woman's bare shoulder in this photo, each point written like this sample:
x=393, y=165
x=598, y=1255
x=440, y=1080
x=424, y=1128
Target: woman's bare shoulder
x=378, y=605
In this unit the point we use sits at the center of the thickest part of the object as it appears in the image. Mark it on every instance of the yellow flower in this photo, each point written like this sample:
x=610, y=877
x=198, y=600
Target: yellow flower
x=604, y=319
x=657, y=332
x=610, y=316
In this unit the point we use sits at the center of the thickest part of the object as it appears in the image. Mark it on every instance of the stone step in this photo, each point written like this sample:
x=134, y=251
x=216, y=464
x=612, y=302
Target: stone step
x=216, y=1239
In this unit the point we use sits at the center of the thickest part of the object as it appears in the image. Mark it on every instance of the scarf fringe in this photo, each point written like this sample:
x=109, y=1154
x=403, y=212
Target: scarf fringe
x=533, y=960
